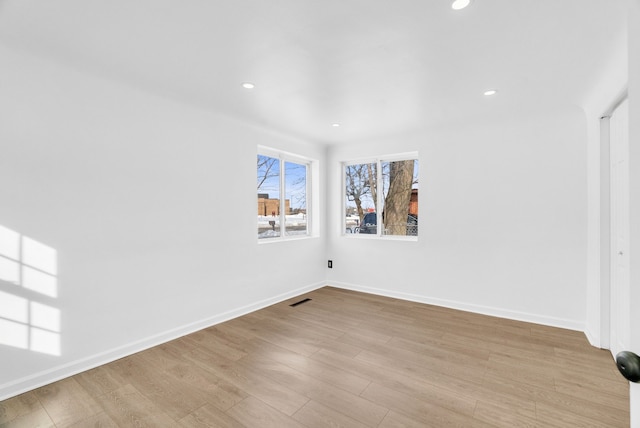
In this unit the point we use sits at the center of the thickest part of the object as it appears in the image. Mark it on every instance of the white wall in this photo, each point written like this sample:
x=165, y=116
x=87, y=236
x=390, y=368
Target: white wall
x=149, y=205
x=502, y=221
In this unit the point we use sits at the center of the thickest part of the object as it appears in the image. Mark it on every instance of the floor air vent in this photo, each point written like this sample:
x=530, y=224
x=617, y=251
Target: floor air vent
x=300, y=302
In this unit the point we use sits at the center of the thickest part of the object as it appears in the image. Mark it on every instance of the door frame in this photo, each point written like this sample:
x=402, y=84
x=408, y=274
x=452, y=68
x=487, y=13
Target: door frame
x=605, y=221
x=618, y=310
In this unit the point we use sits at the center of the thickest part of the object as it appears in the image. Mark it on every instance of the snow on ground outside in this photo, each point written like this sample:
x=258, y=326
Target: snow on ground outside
x=295, y=224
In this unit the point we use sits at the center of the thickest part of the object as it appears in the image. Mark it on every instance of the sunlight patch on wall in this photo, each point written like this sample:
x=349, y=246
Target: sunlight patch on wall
x=45, y=342
x=39, y=256
x=9, y=271
x=28, y=273
x=39, y=281
x=14, y=308
x=14, y=334
x=9, y=253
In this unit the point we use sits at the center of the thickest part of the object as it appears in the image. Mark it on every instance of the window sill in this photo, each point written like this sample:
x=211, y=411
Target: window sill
x=381, y=238
x=286, y=239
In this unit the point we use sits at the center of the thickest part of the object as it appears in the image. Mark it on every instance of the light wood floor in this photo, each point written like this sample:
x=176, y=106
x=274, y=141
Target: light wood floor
x=344, y=359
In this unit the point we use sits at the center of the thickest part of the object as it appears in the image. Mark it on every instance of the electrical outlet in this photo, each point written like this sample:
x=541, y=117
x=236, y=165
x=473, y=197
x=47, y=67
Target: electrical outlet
x=330, y=264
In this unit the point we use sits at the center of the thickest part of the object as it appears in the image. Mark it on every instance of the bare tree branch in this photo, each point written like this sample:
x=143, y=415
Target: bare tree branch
x=264, y=168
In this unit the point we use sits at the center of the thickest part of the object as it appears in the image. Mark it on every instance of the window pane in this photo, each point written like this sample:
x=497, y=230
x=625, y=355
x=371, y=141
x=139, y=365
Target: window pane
x=360, y=203
x=400, y=197
x=295, y=201
x=268, y=173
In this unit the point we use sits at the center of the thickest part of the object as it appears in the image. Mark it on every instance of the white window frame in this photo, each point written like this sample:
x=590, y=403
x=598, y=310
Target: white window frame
x=311, y=166
x=379, y=160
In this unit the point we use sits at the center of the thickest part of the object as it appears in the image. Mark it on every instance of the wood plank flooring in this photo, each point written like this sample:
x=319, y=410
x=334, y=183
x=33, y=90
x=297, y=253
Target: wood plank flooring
x=344, y=359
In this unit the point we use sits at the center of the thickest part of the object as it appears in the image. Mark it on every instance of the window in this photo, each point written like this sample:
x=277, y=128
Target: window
x=381, y=197
x=283, y=195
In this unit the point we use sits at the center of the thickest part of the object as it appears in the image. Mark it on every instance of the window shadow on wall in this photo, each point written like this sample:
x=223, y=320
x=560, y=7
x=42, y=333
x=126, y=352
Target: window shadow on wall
x=28, y=288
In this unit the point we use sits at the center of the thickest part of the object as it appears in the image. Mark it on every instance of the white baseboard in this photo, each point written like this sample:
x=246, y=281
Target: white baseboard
x=479, y=309
x=593, y=340
x=45, y=377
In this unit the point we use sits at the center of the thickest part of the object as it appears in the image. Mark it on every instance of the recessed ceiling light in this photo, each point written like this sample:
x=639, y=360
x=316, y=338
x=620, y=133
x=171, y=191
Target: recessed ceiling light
x=335, y=125
x=460, y=4
x=490, y=92
x=248, y=85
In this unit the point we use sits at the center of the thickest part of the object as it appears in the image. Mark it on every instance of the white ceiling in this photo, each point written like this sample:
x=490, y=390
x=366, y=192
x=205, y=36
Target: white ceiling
x=377, y=67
